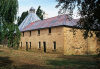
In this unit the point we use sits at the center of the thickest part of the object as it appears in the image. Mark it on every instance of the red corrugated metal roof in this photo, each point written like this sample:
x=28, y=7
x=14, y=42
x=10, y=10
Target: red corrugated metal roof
x=51, y=22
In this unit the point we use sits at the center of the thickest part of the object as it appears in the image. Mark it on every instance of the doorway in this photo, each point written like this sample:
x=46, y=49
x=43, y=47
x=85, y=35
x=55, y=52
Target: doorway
x=39, y=45
x=30, y=45
x=54, y=45
x=26, y=46
x=44, y=44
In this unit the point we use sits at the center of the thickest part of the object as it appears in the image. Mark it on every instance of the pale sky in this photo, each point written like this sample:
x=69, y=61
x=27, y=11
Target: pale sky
x=46, y=5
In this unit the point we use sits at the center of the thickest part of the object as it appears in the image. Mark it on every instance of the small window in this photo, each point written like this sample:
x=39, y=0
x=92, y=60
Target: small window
x=30, y=45
x=54, y=45
x=39, y=45
x=38, y=32
x=49, y=30
x=23, y=34
x=30, y=33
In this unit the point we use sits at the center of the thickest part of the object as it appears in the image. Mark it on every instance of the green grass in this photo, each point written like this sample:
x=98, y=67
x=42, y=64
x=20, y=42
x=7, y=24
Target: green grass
x=77, y=64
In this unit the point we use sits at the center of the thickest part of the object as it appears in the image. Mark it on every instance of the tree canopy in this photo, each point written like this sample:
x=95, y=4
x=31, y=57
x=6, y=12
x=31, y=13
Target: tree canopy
x=40, y=12
x=89, y=11
x=8, y=11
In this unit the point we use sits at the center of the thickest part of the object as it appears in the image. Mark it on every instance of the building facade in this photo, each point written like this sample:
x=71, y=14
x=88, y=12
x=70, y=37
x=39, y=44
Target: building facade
x=57, y=35
x=47, y=40
x=59, y=40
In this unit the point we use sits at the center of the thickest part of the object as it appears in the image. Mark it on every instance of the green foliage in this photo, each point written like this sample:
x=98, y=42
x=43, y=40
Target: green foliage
x=0, y=32
x=40, y=12
x=10, y=33
x=13, y=35
x=8, y=10
x=20, y=19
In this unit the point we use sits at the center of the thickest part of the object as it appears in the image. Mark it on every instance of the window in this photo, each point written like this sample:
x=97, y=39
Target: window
x=39, y=45
x=30, y=45
x=54, y=45
x=38, y=32
x=23, y=34
x=49, y=30
x=30, y=33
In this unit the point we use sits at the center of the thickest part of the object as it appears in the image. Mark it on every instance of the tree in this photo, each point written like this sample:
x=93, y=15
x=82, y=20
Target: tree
x=88, y=10
x=8, y=8
x=20, y=19
x=40, y=12
x=8, y=11
x=0, y=30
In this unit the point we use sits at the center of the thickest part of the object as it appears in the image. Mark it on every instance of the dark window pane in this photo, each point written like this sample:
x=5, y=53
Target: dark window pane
x=49, y=30
x=23, y=34
x=30, y=45
x=26, y=46
x=39, y=44
x=54, y=45
x=38, y=31
x=30, y=33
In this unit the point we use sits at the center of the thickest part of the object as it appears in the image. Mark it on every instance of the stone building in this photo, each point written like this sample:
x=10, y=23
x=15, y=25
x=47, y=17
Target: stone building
x=56, y=35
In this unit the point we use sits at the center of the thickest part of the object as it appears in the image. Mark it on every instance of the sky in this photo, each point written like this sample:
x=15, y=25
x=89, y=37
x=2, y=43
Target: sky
x=46, y=5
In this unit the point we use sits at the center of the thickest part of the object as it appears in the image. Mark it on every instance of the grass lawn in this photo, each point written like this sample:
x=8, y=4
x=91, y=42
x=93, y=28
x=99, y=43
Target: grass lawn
x=17, y=59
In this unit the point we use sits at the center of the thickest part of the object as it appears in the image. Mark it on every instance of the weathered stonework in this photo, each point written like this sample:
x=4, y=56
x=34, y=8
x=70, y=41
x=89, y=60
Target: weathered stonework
x=56, y=35
x=66, y=42
x=77, y=45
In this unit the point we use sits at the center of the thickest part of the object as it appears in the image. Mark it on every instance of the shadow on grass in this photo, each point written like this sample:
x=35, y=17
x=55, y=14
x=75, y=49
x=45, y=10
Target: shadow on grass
x=5, y=63
x=73, y=64
x=29, y=66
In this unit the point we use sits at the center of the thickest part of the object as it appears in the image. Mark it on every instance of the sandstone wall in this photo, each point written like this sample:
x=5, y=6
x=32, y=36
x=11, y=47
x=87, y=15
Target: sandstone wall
x=75, y=44
x=67, y=41
x=56, y=35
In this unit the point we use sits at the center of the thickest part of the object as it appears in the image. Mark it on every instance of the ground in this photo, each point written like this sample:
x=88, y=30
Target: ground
x=18, y=59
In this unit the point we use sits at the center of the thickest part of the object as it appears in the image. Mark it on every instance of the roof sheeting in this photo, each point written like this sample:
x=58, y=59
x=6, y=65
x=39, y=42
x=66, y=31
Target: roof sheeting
x=31, y=17
x=51, y=22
